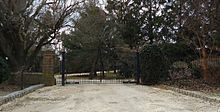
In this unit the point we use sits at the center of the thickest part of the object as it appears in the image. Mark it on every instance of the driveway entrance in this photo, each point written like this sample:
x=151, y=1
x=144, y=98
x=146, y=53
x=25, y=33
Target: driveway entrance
x=85, y=78
x=107, y=98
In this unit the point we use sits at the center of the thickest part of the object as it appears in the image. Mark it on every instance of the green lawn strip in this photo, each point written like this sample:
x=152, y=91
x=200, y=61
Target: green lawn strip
x=99, y=76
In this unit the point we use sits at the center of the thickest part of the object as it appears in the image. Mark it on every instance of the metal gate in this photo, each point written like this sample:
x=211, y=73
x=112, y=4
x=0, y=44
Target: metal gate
x=123, y=75
x=110, y=77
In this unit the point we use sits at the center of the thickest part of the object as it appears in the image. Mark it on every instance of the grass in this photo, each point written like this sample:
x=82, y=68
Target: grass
x=78, y=77
x=99, y=76
x=2, y=93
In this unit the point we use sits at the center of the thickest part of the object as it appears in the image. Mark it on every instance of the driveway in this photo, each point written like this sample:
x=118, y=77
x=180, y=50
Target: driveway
x=107, y=98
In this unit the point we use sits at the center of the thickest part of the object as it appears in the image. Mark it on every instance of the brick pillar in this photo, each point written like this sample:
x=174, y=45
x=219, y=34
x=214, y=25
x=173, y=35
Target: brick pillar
x=48, y=67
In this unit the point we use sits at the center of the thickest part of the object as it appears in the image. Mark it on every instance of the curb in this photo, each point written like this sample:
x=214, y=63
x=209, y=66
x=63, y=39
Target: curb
x=194, y=94
x=18, y=94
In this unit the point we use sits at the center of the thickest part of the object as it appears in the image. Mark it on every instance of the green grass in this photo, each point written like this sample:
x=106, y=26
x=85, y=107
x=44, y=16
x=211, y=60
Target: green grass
x=99, y=76
x=2, y=93
x=217, y=94
x=78, y=77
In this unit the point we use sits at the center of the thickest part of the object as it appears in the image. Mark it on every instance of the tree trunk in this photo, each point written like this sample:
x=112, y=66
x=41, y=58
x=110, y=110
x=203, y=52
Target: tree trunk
x=102, y=65
x=115, y=71
x=22, y=85
x=93, y=72
x=103, y=70
x=204, y=64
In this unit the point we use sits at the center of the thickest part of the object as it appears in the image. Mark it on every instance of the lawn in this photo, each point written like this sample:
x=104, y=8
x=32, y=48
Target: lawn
x=99, y=76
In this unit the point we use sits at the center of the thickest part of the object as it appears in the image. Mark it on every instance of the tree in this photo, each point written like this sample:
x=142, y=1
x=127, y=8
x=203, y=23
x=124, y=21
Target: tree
x=4, y=70
x=127, y=20
x=28, y=25
x=92, y=34
x=141, y=23
x=200, y=28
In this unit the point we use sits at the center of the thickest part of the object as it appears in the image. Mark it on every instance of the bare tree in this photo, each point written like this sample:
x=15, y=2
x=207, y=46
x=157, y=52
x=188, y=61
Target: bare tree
x=28, y=25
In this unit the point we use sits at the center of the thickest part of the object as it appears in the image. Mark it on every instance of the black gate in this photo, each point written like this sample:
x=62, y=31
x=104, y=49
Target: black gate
x=109, y=77
x=122, y=72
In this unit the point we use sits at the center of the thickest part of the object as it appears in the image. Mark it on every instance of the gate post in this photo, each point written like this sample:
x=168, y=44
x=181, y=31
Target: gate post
x=63, y=67
x=138, y=68
x=48, y=67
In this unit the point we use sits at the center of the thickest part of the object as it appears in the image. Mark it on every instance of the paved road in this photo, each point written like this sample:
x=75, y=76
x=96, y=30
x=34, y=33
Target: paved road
x=107, y=98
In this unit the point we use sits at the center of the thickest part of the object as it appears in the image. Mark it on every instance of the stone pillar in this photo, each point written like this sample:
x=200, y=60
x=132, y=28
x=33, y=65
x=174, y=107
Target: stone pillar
x=48, y=67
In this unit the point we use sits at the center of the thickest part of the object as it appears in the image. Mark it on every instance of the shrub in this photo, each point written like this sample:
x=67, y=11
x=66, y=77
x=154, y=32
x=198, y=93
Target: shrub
x=180, y=65
x=126, y=71
x=126, y=64
x=4, y=70
x=178, y=52
x=153, y=65
x=179, y=70
x=213, y=68
x=196, y=70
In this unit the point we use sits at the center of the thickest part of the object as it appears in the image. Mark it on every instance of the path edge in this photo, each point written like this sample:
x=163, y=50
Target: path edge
x=193, y=94
x=17, y=94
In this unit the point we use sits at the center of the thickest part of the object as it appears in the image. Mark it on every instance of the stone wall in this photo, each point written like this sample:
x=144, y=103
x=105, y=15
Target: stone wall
x=18, y=94
x=29, y=78
x=46, y=77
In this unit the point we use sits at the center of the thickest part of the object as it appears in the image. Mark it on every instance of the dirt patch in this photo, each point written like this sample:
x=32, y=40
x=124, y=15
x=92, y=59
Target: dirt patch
x=6, y=88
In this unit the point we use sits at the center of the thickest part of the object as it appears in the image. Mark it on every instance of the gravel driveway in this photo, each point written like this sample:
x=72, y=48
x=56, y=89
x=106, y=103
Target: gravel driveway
x=107, y=98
